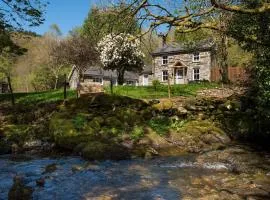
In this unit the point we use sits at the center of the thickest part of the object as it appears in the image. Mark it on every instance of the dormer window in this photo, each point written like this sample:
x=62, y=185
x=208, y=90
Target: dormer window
x=196, y=57
x=164, y=60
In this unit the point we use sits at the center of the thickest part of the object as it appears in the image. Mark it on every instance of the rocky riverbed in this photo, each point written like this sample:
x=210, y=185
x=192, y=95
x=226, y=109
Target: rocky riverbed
x=236, y=172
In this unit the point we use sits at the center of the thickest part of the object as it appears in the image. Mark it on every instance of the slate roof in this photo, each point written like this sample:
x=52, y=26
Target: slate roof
x=97, y=71
x=174, y=48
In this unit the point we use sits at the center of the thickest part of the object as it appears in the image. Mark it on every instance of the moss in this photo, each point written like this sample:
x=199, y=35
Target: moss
x=137, y=133
x=113, y=122
x=164, y=105
x=18, y=133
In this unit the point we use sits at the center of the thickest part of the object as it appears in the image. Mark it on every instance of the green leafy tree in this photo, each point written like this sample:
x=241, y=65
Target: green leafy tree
x=6, y=64
x=103, y=21
x=253, y=33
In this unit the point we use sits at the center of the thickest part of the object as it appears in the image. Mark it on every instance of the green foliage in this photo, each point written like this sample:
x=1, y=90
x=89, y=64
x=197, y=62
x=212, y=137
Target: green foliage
x=160, y=125
x=79, y=122
x=237, y=56
x=155, y=84
x=253, y=33
x=192, y=38
x=103, y=21
x=137, y=133
x=43, y=79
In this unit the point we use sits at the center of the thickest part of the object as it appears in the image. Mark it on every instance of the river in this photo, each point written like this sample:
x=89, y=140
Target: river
x=179, y=177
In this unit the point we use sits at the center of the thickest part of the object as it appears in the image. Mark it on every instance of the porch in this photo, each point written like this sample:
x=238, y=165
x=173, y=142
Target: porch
x=179, y=72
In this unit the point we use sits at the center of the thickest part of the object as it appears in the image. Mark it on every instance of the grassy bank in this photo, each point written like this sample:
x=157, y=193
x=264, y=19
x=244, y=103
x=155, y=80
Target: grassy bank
x=138, y=92
x=149, y=92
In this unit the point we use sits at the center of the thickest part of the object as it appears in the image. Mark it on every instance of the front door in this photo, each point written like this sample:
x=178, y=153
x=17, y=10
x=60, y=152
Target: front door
x=180, y=76
x=145, y=79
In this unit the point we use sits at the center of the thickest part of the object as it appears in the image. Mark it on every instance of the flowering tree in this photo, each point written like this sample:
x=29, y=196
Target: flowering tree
x=121, y=53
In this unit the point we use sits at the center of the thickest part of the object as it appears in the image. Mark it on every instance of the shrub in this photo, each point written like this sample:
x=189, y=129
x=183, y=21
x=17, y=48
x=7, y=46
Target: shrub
x=156, y=84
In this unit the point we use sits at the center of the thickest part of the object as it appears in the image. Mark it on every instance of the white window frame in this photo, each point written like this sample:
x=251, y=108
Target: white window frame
x=196, y=57
x=165, y=60
x=98, y=82
x=196, y=74
x=164, y=75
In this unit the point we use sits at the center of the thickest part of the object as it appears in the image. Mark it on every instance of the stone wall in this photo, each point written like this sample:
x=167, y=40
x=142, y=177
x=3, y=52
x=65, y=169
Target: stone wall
x=186, y=59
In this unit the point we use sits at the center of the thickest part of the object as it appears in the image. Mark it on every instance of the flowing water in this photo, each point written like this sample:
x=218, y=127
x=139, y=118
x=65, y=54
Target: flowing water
x=75, y=178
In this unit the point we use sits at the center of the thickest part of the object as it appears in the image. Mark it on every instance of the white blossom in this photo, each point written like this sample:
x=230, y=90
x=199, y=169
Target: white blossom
x=120, y=49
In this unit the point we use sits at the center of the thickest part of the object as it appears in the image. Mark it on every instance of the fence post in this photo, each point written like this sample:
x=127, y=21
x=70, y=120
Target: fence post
x=65, y=87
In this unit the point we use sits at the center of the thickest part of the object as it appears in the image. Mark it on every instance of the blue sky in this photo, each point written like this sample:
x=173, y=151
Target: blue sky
x=67, y=14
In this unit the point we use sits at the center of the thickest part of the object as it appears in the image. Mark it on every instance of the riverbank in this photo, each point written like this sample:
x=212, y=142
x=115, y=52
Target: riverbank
x=117, y=127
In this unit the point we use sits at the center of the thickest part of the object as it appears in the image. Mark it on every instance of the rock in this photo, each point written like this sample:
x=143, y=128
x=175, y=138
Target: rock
x=32, y=144
x=181, y=110
x=268, y=174
x=14, y=148
x=92, y=167
x=40, y=182
x=101, y=151
x=50, y=168
x=19, y=191
x=76, y=168
x=5, y=148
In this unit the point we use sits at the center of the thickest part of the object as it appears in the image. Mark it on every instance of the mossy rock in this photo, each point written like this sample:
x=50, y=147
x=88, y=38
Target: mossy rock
x=70, y=142
x=113, y=122
x=163, y=105
x=196, y=136
x=101, y=151
x=18, y=133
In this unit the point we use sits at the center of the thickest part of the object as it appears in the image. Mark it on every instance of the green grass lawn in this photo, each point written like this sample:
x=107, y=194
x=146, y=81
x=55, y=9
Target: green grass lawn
x=38, y=97
x=139, y=92
x=148, y=92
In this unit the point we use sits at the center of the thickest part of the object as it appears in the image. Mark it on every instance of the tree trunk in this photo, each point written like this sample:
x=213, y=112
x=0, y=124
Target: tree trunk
x=111, y=84
x=11, y=91
x=120, y=76
x=224, y=59
x=56, y=82
x=65, y=87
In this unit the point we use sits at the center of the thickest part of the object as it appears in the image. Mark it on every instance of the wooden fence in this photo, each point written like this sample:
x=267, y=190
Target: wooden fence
x=236, y=74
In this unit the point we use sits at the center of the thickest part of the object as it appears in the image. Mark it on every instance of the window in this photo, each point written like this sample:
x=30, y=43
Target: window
x=164, y=60
x=196, y=74
x=129, y=82
x=165, y=75
x=98, y=80
x=196, y=57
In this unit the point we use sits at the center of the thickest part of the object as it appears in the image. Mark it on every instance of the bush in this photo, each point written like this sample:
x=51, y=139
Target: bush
x=156, y=84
